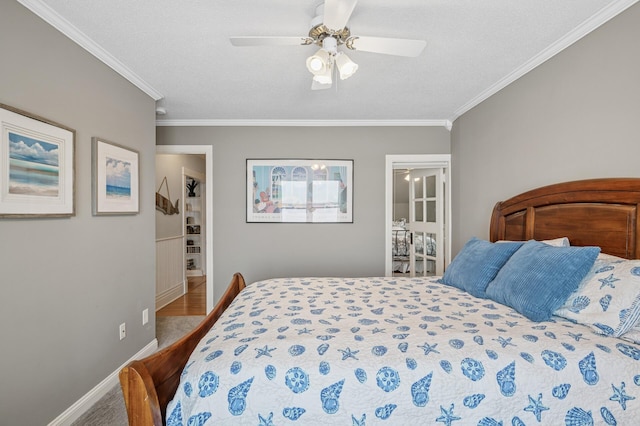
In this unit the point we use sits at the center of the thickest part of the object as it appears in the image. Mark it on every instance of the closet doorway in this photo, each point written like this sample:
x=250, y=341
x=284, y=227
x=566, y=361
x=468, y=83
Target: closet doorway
x=207, y=259
x=406, y=248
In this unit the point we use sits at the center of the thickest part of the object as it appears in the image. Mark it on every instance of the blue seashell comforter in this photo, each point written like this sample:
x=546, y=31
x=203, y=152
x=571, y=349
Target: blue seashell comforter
x=396, y=351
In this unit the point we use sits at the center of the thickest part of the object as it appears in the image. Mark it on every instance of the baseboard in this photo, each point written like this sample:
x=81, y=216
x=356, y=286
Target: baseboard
x=168, y=296
x=83, y=405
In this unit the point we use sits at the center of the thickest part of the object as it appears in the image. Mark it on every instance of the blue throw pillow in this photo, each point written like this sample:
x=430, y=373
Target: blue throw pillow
x=477, y=265
x=539, y=278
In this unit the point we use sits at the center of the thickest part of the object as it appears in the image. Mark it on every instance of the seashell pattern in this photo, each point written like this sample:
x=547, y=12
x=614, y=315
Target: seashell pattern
x=472, y=401
x=472, y=369
x=208, y=384
x=237, y=397
x=578, y=417
x=420, y=391
x=288, y=350
x=587, y=367
x=561, y=391
x=579, y=303
x=293, y=413
x=506, y=379
x=383, y=413
x=608, y=417
x=297, y=380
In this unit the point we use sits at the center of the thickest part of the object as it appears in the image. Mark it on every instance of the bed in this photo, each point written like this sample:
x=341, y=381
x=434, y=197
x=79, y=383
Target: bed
x=414, y=350
x=401, y=246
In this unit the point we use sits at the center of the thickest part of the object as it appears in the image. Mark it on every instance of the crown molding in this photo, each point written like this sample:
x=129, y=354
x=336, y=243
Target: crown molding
x=306, y=123
x=604, y=15
x=50, y=16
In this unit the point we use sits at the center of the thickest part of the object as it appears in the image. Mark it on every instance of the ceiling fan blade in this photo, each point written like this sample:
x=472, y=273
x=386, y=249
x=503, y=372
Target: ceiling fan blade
x=269, y=41
x=388, y=46
x=337, y=13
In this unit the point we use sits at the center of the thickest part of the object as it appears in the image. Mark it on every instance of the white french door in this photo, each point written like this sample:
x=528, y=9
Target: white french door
x=426, y=222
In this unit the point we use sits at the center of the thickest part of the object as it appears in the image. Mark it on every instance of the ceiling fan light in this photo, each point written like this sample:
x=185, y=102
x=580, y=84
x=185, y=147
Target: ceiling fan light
x=346, y=66
x=323, y=78
x=318, y=63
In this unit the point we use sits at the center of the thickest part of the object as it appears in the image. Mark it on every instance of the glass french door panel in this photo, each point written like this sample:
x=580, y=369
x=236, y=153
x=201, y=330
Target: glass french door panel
x=418, y=187
x=431, y=213
x=430, y=186
x=418, y=211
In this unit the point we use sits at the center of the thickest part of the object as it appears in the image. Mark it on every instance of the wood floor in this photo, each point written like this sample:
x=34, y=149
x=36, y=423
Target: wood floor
x=192, y=303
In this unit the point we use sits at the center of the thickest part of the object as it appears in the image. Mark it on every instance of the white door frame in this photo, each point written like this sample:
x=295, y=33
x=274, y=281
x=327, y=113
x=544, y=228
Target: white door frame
x=423, y=161
x=207, y=150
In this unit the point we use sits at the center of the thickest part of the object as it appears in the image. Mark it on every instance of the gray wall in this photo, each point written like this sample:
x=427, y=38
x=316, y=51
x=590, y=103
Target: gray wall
x=577, y=116
x=274, y=250
x=68, y=283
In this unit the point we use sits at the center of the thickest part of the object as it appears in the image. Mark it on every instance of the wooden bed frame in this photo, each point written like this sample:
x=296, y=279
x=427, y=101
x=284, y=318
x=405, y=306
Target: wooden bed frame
x=600, y=212
x=149, y=384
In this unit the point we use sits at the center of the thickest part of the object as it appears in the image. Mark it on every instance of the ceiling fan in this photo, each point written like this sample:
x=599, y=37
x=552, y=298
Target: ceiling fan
x=329, y=29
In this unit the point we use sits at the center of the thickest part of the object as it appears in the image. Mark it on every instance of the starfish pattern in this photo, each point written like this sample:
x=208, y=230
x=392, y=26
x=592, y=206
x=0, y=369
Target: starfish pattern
x=577, y=336
x=621, y=396
x=231, y=336
x=427, y=348
x=348, y=353
x=266, y=422
x=356, y=422
x=608, y=281
x=266, y=351
x=447, y=416
x=536, y=407
x=304, y=331
x=271, y=317
x=336, y=317
x=377, y=330
x=504, y=342
x=445, y=326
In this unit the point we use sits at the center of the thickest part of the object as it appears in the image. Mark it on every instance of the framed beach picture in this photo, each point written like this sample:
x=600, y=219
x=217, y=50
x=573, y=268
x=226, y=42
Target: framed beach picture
x=36, y=166
x=115, y=178
x=300, y=191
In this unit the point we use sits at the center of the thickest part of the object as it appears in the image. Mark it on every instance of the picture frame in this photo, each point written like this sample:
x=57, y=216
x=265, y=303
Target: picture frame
x=115, y=178
x=37, y=166
x=299, y=191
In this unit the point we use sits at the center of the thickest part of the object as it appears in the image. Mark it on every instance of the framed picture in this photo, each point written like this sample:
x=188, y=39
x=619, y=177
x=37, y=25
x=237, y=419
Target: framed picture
x=36, y=166
x=307, y=191
x=115, y=178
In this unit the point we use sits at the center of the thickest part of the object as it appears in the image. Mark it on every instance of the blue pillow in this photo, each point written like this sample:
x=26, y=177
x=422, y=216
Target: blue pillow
x=477, y=265
x=539, y=278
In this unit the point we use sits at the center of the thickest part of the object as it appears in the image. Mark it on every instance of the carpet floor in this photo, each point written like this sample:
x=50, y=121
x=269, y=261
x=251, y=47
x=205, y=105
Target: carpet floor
x=110, y=409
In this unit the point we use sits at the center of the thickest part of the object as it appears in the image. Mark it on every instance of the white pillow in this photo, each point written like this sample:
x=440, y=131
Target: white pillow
x=608, y=298
x=556, y=242
x=632, y=335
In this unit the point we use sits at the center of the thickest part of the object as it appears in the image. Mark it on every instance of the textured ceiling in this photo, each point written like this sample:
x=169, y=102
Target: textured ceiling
x=179, y=53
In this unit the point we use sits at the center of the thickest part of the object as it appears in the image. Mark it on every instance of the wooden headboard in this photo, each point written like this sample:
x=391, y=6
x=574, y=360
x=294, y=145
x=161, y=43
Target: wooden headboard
x=594, y=212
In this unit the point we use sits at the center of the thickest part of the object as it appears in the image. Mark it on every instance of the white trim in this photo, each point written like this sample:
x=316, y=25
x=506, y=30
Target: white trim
x=81, y=39
x=207, y=150
x=423, y=161
x=604, y=15
x=308, y=123
x=83, y=405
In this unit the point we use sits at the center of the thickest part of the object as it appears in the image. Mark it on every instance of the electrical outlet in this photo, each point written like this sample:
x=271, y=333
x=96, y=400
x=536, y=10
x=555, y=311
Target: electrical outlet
x=145, y=316
x=123, y=330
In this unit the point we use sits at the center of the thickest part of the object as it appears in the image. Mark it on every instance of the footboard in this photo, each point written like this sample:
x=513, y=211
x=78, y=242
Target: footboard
x=149, y=384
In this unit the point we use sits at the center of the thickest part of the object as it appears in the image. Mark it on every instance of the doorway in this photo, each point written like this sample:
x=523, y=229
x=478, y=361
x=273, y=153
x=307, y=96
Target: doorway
x=402, y=163
x=207, y=151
